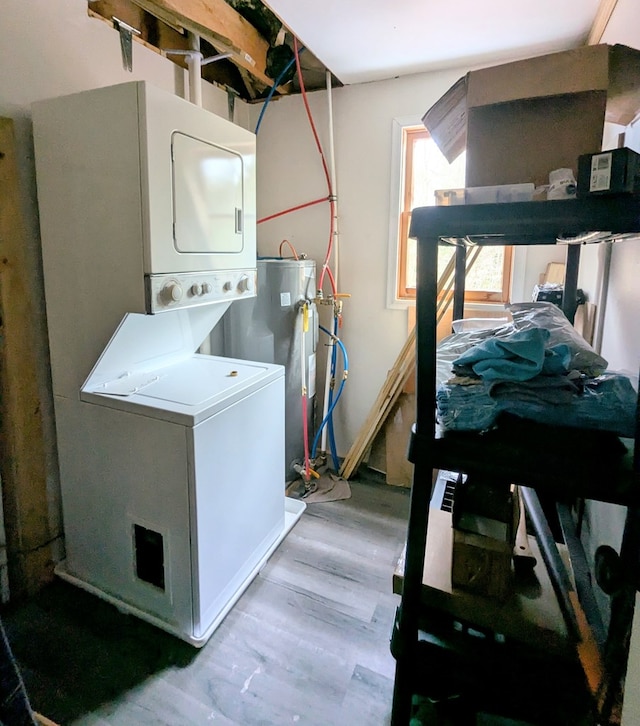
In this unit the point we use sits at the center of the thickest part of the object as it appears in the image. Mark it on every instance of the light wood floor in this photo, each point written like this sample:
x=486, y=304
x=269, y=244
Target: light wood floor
x=307, y=644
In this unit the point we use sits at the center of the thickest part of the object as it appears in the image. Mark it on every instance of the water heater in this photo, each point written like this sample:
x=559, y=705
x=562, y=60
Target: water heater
x=270, y=328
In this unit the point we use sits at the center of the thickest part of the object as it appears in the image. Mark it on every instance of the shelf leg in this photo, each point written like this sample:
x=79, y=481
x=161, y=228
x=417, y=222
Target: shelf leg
x=460, y=273
x=405, y=636
x=570, y=294
x=622, y=608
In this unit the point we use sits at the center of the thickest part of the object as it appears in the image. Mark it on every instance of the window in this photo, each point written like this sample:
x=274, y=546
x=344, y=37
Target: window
x=425, y=170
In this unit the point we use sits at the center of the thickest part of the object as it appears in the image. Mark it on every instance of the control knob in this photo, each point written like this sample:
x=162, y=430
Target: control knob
x=243, y=284
x=196, y=289
x=206, y=288
x=172, y=292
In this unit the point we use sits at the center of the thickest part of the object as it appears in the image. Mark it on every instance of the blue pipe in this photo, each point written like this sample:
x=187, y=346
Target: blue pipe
x=276, y=83
x=314, y=448
x=332, y=439
x=332, y=402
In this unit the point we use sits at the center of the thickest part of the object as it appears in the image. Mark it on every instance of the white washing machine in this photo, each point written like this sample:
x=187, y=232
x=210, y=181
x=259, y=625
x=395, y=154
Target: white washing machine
x=171, y=462
x=173, y=484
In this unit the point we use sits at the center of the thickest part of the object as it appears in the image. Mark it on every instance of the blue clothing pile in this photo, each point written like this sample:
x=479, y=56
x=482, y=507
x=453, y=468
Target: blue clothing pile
x=521, y=373
x=519, y=357
x=604, y=403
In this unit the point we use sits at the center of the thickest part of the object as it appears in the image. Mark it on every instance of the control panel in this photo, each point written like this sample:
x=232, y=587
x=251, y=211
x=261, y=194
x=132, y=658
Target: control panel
x=188, y=289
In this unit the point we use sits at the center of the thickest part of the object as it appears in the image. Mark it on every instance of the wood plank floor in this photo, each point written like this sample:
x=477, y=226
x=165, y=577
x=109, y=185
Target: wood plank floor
x=307, y=644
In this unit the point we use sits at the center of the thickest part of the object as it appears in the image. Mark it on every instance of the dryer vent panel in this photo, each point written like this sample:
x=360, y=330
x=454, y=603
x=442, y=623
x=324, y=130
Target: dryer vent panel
x=149, y=555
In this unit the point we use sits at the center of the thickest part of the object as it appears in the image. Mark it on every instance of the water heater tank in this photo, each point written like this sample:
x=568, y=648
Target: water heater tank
x=269, y=329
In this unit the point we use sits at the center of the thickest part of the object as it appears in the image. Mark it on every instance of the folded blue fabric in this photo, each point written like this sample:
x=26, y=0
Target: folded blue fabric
x=605, y=403
x=557, y=360
x=518, y=357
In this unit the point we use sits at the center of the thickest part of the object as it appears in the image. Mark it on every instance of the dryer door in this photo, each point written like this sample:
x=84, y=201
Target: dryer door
x=207, y=196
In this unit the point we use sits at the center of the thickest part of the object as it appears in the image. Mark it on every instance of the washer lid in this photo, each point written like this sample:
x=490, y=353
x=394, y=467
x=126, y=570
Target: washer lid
x=142, y=344
x=149, y=367
x=189, y=391
x=199, y=380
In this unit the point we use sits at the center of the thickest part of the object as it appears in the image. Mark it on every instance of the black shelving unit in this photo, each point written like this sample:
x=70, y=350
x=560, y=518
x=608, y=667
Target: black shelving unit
x=562, y=463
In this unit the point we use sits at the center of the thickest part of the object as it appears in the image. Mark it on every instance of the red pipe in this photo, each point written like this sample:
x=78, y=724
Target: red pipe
x=303, y=91
x=292, y=209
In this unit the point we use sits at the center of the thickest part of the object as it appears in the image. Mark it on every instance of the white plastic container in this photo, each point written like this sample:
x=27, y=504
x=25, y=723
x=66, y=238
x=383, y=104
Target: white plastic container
x=485, y=195
x=499, y=194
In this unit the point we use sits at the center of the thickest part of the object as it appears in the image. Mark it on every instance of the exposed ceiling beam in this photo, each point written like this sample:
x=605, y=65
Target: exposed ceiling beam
x=605, y=11
x=222, y=26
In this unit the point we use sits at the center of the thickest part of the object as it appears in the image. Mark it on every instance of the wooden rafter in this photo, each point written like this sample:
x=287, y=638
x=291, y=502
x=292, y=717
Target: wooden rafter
x=160, y=37
x=221, y=25
x=605, y=11
x=398, y=375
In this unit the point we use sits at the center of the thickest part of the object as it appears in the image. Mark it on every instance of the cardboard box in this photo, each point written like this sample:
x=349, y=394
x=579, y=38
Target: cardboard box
x=519, y=121
x=399, y=470
x=482, y=565
x=485, y=521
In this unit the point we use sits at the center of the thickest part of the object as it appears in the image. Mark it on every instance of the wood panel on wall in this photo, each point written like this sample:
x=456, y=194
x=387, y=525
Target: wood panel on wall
x=22, y=447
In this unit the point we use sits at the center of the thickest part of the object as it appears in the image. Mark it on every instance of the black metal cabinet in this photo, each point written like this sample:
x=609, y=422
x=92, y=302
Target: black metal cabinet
x=575, y=471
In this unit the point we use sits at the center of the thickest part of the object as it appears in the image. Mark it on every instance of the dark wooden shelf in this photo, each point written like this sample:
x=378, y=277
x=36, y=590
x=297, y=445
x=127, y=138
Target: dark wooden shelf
x=530, y=615
x=562, y=463
x=529, y=223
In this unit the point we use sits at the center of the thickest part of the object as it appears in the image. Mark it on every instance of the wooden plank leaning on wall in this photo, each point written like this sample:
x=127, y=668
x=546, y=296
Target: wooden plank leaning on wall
x=398, y=376
x=22, y=448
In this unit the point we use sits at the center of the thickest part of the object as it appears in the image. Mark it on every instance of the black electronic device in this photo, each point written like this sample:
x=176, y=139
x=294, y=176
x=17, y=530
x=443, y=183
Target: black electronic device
x=616, y=171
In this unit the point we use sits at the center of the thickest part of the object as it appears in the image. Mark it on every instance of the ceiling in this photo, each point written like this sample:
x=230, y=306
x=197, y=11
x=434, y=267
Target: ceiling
x=357, y=40
x=371, y=40
x=249, y=44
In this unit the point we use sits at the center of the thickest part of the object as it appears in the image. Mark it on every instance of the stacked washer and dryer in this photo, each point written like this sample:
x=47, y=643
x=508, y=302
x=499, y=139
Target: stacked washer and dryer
x=171, y=462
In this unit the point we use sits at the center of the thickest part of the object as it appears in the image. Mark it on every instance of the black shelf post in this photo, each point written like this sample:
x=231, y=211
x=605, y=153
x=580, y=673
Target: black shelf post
x=405, y=635
x=570, y=294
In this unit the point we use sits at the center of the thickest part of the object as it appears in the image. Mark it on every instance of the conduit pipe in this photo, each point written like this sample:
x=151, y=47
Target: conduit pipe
x=602, y=297
x=332, y=174
x=194, y=67
x=304, y=326
x=194, y=61
x=331, y=350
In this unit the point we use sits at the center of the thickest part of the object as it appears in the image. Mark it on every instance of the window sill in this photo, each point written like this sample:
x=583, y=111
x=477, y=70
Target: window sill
x=487, y=307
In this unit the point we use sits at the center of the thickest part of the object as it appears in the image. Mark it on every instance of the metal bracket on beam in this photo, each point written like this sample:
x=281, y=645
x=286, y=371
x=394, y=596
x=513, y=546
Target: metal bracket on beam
x=126, y=33
x=231, y=102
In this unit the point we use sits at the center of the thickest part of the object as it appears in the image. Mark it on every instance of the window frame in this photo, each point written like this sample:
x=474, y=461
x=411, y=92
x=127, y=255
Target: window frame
x=410, y=134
